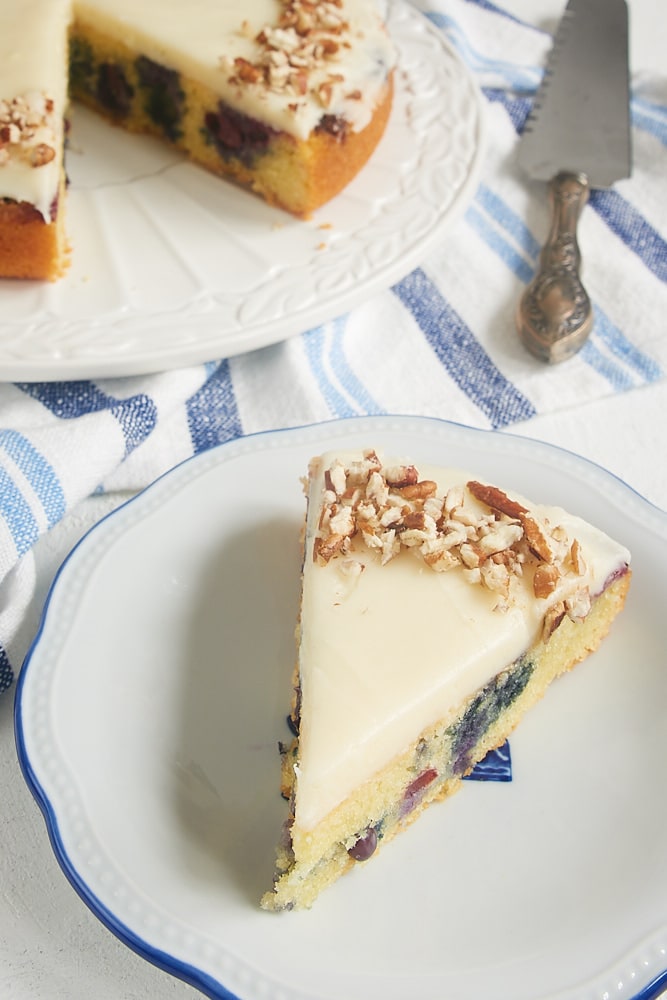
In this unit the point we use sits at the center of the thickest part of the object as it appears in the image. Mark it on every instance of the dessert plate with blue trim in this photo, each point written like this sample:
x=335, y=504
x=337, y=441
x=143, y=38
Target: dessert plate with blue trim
x=150, y=706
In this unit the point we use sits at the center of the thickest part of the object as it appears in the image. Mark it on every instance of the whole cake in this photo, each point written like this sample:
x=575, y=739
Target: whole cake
x=435, y=611
x=287, y=97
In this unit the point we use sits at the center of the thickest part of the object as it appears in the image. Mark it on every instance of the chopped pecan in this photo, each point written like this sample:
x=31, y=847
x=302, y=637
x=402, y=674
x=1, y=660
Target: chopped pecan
x=502, y=504
x=471, y=555
x=325, y=93
x=325, y=548
x=496, y=577
x=500, y=536
x=41, y=154
x=246, y=71
x=579, y=604
x=497, y=500
x=538, y=543
x=440, y=559
x=553, y=618
x=422, y=490
x=576, y=558
x=400, y=476
x=414, y=521
x=545, y=580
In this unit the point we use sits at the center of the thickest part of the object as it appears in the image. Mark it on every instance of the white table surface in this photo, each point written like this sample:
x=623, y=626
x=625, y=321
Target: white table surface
x=51, y=947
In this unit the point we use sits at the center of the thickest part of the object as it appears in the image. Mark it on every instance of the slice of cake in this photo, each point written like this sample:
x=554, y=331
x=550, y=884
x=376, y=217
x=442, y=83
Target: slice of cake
x=435, y=611
x=33, y=99
x=288, y=97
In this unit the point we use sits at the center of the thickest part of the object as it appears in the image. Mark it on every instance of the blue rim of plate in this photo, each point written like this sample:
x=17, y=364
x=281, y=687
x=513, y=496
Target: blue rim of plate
x=188, y=973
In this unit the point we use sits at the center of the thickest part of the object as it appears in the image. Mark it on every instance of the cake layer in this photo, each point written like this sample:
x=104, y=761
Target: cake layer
x=435, y=611
x=30, y=246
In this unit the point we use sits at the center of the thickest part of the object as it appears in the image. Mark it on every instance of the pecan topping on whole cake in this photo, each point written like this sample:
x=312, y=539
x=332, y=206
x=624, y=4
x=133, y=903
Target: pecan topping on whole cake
x=307, y=38
x=27, y=130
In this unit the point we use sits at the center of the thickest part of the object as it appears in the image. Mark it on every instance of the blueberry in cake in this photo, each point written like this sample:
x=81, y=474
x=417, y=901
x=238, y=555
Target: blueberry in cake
x=289, y=98
x=435, y=611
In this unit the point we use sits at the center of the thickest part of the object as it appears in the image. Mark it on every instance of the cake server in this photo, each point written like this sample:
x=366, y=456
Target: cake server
x=576, y=137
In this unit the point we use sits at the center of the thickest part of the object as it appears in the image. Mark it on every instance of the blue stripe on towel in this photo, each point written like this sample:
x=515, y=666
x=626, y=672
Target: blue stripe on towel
x=67, y=400
x=506, y=217
x=518, y=78
x=347, y=377
x=494, y=9
x=6, y=672
x=614, y=340
x=344, y=393
x=463, y=357
x=499, y=245
x=137, y=415
x=17, y=514
x=618, y=379
x=37, y=471
x=631, y=227
x=314, y=342
x=213, y=415
x=517, y=108
x=650, y=117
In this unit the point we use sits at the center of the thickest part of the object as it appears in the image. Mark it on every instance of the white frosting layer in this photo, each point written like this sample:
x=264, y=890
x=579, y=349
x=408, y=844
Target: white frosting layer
x=388, y=652
x=33, y=65
x=202, y=38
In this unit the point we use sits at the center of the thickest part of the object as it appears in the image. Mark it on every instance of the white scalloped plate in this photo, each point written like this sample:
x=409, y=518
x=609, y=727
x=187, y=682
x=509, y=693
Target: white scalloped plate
x=150, y=706
x=171, y=267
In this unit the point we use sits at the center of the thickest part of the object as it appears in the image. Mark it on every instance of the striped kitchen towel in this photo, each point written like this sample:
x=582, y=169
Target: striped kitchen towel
x=441, y=342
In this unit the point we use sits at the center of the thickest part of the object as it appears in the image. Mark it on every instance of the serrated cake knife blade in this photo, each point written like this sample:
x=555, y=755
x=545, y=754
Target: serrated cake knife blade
x=577, y=137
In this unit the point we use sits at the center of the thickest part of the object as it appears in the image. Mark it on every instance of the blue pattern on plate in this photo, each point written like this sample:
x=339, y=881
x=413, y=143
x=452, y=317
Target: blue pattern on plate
x=496, y=766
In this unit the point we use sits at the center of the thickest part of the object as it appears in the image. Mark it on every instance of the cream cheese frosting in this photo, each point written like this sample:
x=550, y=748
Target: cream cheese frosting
x=287, y=77
x=388, y=649
x=33, y=97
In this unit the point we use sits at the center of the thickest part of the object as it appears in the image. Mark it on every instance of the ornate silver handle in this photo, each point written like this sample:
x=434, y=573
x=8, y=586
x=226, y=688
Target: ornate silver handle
x=555, y=317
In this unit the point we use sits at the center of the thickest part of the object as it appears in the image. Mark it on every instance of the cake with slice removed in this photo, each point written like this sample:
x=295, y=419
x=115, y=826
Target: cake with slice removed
x=286, y=97
x=435, y=611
